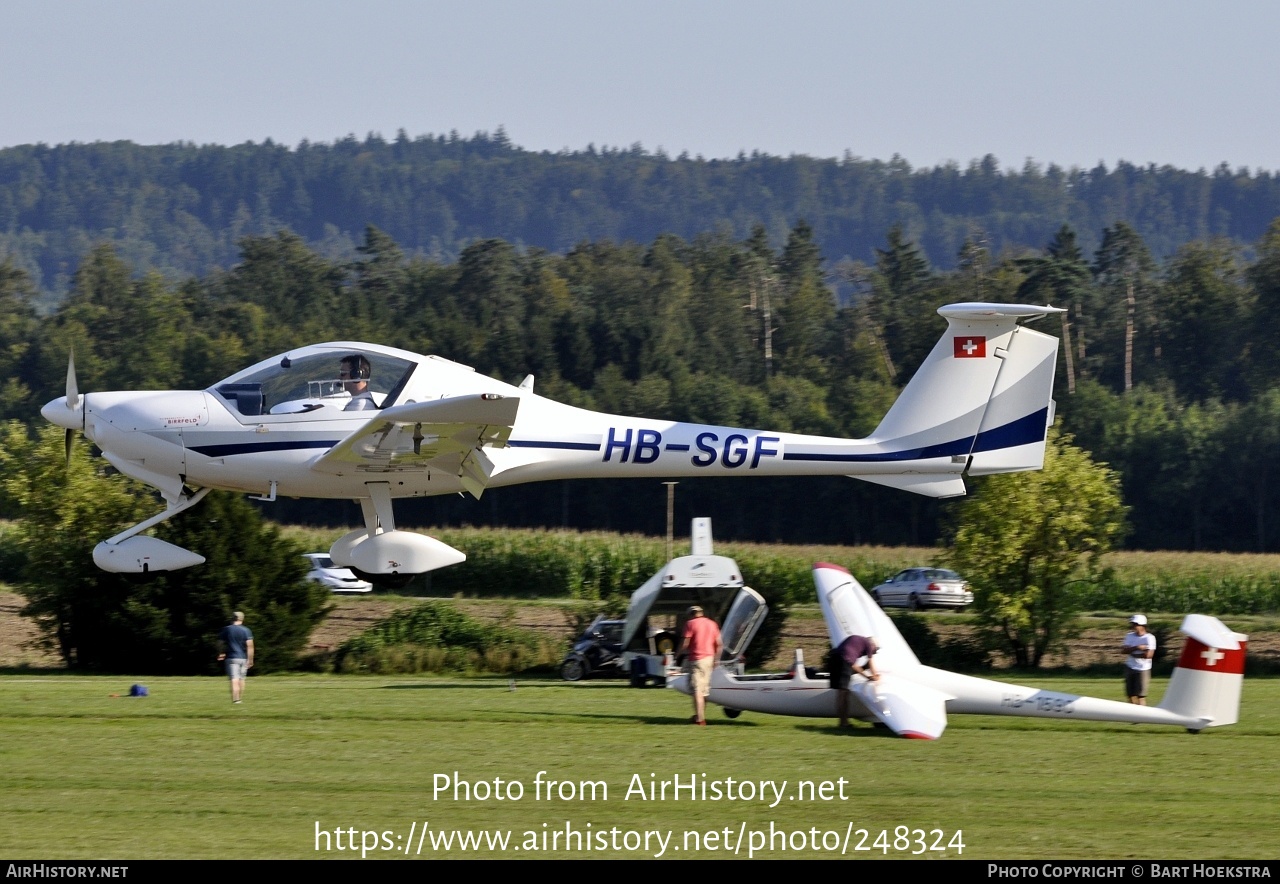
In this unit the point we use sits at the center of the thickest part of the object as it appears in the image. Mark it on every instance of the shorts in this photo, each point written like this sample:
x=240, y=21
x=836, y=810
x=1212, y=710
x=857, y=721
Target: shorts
x=237, y=669
x=841, y=673
x=700, y=675
x=1136, y=682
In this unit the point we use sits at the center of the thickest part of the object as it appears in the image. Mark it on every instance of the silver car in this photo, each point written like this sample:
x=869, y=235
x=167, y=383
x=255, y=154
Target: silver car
x=336, y=578
x=919, y=588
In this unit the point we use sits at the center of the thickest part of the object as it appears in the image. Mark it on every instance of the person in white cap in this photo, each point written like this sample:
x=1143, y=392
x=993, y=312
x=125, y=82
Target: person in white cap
x=1139, y=650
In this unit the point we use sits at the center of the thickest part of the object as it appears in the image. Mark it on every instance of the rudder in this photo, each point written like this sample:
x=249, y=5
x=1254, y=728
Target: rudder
x=1209, y=677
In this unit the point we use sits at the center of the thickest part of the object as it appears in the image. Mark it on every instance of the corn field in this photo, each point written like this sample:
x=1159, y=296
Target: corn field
x=516, y=563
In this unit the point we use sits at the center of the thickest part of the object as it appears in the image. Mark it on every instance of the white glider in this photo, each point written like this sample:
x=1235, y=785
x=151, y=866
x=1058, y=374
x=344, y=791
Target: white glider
x=913, y=700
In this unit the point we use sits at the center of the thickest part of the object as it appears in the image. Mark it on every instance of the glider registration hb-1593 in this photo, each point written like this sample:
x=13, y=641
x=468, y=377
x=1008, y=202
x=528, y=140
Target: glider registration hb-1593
x=371, y=423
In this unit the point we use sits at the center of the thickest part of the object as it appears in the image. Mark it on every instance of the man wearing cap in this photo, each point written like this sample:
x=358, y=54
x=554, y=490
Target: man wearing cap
x=844, y=664
x=701, y=641
x=1139, y=650
x=238, y=641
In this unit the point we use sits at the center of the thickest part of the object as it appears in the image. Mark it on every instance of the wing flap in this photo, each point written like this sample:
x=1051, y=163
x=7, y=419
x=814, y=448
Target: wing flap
x=907, y=708
x=445, y=435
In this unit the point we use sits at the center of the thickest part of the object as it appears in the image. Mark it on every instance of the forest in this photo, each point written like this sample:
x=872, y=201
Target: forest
x=1168, y=369
x=184, y=208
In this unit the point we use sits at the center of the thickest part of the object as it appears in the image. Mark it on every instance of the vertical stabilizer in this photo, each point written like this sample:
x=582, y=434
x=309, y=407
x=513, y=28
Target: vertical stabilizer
x=947, y=396
x=1210, y=673
x=983, y=397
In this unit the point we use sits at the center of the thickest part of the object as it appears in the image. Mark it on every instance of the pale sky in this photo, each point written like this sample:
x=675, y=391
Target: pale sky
x=1074, y=83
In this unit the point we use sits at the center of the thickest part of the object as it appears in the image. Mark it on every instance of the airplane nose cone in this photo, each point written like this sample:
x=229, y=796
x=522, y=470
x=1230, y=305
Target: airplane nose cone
x=56, y=412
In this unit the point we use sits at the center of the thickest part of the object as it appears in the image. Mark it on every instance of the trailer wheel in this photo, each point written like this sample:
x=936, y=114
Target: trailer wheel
x=574, y=669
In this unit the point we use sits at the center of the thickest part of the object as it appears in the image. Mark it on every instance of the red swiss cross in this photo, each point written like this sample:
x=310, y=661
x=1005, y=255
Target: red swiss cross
x=970, y=347
x=1196, y=655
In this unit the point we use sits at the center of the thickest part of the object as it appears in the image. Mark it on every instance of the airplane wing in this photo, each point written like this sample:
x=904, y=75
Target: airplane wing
x=906, y=707
x=849, y=610
x=445, y=435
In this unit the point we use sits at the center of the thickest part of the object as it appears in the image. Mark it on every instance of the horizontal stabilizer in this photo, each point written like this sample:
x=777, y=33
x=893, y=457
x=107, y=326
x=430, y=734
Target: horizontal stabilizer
x=921, y=483
x=983, y=311
x=1210, y=631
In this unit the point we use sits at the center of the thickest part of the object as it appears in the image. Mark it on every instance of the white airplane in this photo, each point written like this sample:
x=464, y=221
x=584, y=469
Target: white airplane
x=373, y=424
x=913, y=700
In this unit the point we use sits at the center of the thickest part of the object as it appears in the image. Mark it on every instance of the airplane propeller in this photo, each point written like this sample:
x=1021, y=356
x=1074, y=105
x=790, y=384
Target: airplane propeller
x=73, y=403
x=72, y=416
x=73, y=390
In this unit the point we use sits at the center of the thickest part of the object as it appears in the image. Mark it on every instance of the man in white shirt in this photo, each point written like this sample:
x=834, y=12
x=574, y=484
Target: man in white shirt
x=1139, y=650
x=354, y=371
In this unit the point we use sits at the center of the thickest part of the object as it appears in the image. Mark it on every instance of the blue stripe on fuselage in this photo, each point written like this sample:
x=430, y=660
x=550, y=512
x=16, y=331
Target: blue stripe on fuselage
x=1023, y=431
x=540, y=443
x=259, y=447
x=235, y=448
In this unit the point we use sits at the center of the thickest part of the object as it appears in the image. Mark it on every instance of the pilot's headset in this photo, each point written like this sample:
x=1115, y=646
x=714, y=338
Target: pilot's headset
x=358, y=368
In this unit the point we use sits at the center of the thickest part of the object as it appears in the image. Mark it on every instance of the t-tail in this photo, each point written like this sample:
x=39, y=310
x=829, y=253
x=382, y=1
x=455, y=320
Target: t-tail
x=1210, y=673
x=982, y=398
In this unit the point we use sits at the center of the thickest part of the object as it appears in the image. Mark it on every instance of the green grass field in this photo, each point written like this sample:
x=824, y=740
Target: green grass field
x=184, y=773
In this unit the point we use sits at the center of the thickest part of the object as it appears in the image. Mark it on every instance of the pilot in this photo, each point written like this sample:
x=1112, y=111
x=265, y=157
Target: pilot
x=354, y=371
x=843, y=664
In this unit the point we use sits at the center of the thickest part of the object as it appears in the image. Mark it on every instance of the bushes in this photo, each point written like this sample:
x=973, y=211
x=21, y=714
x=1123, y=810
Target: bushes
x=521, y=563
x=958, y=654
x=434, y=637
x=169, y=624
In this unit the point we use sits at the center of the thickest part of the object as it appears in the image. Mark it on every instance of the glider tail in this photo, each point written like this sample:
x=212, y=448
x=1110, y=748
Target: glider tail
x=1210, y=673
x=983, y=397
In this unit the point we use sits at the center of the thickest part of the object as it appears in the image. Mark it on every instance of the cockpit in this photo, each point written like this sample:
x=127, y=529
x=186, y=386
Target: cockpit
x=326, y=382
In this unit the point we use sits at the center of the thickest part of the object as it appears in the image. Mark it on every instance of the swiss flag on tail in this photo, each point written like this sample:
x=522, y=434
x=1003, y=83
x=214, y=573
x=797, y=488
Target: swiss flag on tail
x=1198, y=655
x=970, y=346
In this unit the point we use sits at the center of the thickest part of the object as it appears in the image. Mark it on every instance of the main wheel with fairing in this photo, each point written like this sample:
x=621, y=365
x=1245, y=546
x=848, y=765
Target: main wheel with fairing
x=385, y=581
x=733, y=713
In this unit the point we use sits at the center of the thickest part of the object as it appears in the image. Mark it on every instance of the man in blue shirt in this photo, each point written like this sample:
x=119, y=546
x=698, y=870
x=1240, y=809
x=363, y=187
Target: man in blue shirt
x=238, y=641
